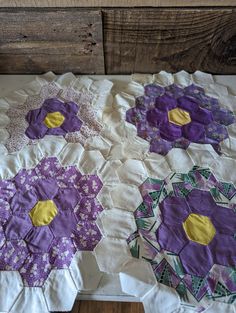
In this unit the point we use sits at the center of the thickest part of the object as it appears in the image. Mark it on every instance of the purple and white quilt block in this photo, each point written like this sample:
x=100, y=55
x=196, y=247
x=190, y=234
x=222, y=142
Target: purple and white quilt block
x=175, y=244
x=159, y=113
x=63, y=106
x=48, y=232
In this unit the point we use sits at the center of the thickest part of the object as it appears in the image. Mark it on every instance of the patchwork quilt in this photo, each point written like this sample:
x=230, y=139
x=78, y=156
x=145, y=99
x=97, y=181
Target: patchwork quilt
x=140, y=183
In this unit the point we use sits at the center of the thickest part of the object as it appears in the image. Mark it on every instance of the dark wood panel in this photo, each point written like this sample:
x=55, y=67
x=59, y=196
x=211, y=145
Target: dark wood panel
x=38, y=40
x=107, y=307
x=151, y=40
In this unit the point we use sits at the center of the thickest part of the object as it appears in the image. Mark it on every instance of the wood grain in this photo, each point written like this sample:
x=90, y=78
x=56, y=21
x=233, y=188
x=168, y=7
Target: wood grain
x=115, y=3
x=150, y=40
x=38, y=40
x=107, y=307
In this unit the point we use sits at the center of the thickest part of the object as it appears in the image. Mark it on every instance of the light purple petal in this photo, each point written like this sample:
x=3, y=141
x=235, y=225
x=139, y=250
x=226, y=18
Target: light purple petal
x=88, y=209
x=39, y=239
x=13, y=255
x=89, y=185
x=63, y=224
x=67, y=198
x=16, y=228
x=46, y=189
x=160, y=146
x=23, y=202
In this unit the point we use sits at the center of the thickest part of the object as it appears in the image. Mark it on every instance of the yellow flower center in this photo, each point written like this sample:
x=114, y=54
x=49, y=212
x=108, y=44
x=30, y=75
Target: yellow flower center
x=199, y=228
x=54, y=119
x=43, y=213
x=179, y=117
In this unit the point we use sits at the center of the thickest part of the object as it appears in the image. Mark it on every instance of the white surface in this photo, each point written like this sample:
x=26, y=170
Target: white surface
x=109, y=288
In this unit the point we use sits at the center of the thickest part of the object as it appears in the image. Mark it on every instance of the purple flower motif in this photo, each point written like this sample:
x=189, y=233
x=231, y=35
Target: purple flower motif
x=172, y=117
x=53, y=118
x=51, y=215
x=208, y=238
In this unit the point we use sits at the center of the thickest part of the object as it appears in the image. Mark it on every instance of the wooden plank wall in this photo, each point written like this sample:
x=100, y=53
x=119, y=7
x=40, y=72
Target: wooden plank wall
x=152, y=40
x=60, y=40
x=117, y=40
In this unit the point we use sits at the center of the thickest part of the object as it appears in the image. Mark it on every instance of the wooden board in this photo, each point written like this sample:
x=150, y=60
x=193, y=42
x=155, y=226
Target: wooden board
x=107, y=307
x=115, y=3
x=38, y=40
x=151, y=40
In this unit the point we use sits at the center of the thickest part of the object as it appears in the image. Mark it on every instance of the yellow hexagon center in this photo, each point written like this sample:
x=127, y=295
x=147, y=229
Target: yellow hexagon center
x=54, y=119
x=179, y=117
x=43, y=213
x=199, y=228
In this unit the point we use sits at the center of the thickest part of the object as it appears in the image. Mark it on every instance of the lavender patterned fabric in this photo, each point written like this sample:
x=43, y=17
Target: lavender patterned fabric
x=35, y=118
x=35, y=250
x=150, y=116
x=204, y=271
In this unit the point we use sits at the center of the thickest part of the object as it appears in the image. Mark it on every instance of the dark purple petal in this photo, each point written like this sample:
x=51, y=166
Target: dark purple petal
x=174, y=91
x=54, y=105
x=87, y=236
x=196, y=259
x=193, y=90
x=144, y=130
x=5, y=211
x=160, y=146
x=224, y=220
x=170, y=131
x=194, y=131
x=170, y=238
x=155, y=117
x=63, y=224
x=174, y=210
x=46, y=189
x=216, y=131
x=36, y=130
x=71, y=124
x=202, y=116
x=23, y=202
x=223, y=249
x=182, y=143
x=135, y=115
x=153, y=90
x=188, y=104
x=67, y=198
x=36, y=116
x=16, y=228
x=71, y=107
x=165, y=103
x=201, y=202
x=39, y=239
x=56, y=131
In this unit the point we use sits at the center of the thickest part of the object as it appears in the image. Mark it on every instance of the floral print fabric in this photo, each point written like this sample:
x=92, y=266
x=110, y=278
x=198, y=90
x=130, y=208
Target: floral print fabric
x=154, y=112
x=32, y=250
x=203, y=270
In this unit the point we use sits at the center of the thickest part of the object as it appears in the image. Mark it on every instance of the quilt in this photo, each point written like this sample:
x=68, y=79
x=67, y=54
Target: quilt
x=138, y=182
